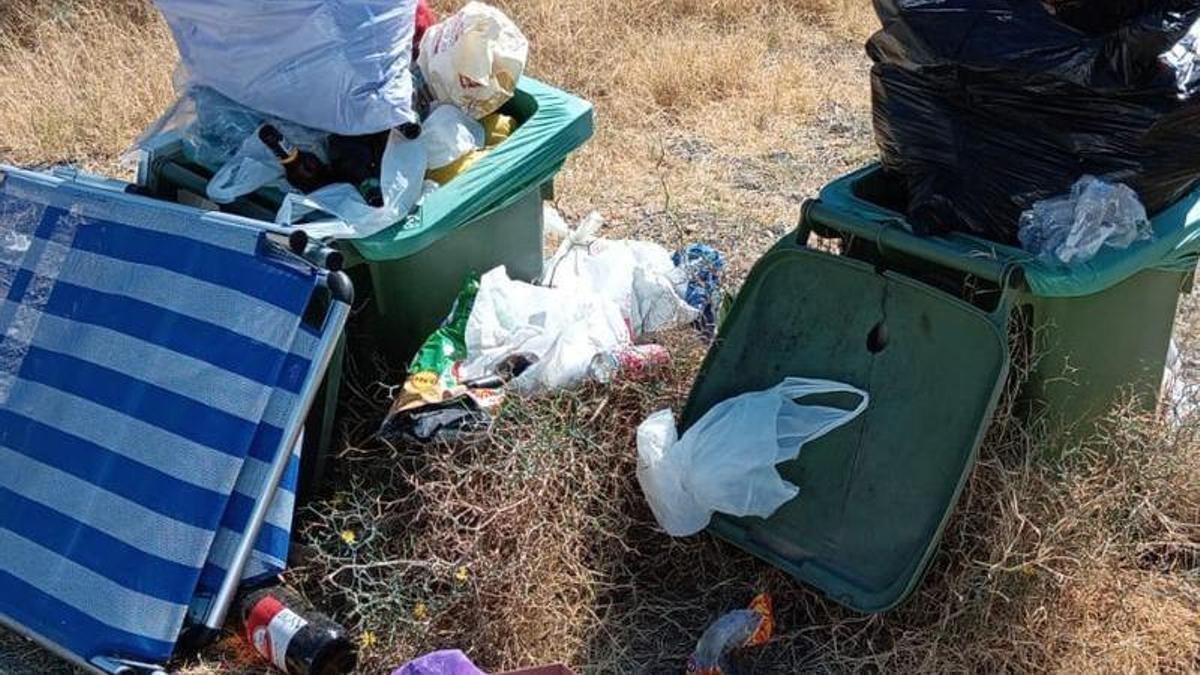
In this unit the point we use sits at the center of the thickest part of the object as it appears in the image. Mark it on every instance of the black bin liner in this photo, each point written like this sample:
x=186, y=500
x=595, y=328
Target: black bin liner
x=983, y=107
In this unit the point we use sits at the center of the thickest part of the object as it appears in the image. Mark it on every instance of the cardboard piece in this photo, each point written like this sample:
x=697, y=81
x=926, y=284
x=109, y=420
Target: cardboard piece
x=557, y=669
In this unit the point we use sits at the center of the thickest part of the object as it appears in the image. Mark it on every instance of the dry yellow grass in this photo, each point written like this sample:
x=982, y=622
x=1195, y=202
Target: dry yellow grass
x=78, y=81
x=715, y=118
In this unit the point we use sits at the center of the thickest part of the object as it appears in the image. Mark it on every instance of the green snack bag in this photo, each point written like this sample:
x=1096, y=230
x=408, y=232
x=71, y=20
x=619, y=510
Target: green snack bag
x=431, y=376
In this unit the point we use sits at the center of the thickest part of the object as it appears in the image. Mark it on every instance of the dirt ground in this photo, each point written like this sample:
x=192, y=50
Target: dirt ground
x=715, y=120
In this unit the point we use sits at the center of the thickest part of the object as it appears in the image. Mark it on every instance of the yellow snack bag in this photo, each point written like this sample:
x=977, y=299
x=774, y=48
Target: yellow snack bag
x=452, y=170
x=497, y=128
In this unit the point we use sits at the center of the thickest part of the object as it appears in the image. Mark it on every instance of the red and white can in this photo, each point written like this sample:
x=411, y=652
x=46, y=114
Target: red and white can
x=636, y=362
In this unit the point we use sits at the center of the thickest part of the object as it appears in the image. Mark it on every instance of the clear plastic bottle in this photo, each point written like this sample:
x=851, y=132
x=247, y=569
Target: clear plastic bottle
x=733, y=631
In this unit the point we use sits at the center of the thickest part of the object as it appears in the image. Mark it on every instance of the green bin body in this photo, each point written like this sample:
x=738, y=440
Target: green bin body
x=407, y=277
x=927, y=327
x=408, y=296
x=491, y=215
x=1087, y=350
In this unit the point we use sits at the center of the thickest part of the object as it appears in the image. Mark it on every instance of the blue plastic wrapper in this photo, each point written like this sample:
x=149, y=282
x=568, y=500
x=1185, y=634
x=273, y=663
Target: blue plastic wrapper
x=703, y=265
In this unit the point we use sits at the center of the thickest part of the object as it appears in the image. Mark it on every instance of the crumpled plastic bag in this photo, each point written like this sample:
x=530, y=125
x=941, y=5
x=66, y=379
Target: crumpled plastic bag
x=751, y=627
x=597, y=296
x=402, y=181
x=726, y=461
x=341, y=67
x=561, y=331
x=1184, y=59
x=554, y=224
x=221, y=134
x=639, y=276
x=250, y=170
x=1072, y=228
x=449, y=133
x=474, y=59
x=254, y=167
x=1179, y=393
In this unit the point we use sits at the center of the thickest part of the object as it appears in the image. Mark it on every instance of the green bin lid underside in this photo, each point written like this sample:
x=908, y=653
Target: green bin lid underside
x=875, y=494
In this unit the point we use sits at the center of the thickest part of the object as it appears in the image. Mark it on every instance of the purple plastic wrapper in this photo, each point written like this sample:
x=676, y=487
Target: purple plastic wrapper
x=446, y=662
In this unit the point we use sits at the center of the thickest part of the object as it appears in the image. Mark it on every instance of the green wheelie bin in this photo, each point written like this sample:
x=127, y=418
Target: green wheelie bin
x=488, y=216
x=927, y=326
x=408, y=276
x=1091, y=336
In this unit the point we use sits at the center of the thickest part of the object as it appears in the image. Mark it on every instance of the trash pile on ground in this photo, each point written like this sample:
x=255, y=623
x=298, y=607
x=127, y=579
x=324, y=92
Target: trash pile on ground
x=586, y=319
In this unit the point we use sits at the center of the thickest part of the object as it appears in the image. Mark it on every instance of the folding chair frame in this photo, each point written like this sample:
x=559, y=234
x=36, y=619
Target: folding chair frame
x=211, y=617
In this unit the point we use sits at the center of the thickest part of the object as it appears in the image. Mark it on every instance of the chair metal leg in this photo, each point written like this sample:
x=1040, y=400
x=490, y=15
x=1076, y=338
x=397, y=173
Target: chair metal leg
x=335, y=321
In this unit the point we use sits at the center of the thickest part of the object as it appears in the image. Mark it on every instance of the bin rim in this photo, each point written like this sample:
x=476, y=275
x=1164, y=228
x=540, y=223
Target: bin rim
x=1175, y=246
x=560, y=124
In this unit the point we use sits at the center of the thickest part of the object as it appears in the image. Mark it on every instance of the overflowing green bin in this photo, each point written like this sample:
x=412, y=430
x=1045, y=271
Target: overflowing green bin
x=406, y=277
x=929, y=327
x=1091, y=336
x=490, y=215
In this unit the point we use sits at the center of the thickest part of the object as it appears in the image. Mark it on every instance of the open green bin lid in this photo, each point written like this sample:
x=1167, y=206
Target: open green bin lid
x=876, y=493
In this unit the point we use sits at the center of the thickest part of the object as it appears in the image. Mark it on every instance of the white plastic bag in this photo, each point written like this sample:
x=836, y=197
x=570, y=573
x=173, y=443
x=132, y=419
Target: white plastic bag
x=1183, y=59
x=253, y=167
x=1179, y=393
x=563, y=330
x=342, y=67
x=656, y=303
x=553, y=222
x=474, y=59
x=565, y=268
x=449, y=133
x=402, y=181
x=639, y=276
x=1072, y=228
x=726, y=461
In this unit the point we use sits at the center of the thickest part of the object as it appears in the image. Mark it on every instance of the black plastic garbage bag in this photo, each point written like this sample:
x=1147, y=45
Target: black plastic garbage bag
x=985, y=106
x=1103, y=16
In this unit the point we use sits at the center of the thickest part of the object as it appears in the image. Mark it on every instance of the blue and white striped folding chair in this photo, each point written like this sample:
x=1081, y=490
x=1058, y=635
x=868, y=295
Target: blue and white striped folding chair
x=156, y=366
